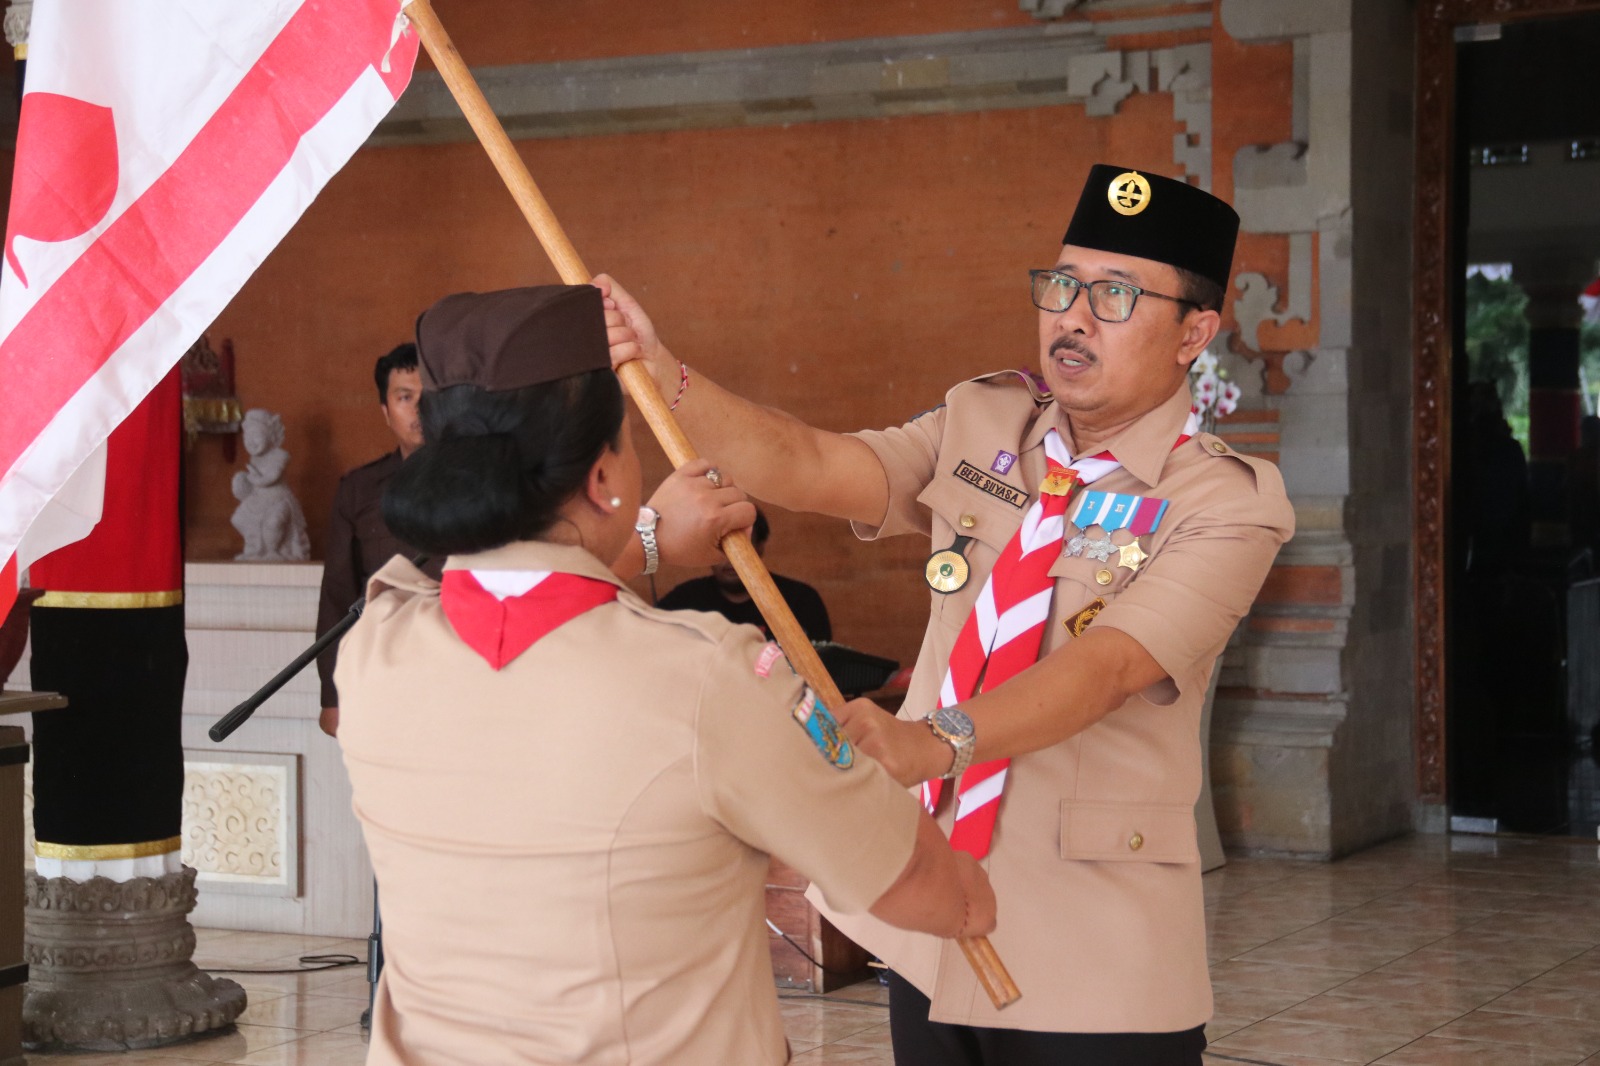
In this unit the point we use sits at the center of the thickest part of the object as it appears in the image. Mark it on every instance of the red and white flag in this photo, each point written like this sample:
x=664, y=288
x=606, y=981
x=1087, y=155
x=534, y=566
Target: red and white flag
x=164, y=148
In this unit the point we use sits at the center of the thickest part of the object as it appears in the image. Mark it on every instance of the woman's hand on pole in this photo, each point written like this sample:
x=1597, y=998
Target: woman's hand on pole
x=696, y=514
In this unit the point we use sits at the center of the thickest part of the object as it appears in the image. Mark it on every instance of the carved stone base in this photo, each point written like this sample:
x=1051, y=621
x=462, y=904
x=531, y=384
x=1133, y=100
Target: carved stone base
x=109, y=965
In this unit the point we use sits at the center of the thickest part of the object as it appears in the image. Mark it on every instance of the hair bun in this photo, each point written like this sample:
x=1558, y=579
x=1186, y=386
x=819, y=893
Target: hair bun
x=459, y=494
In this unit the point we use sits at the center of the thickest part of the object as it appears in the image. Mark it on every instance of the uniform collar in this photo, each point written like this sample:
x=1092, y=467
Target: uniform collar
x=1142, y=448
x=537, y=555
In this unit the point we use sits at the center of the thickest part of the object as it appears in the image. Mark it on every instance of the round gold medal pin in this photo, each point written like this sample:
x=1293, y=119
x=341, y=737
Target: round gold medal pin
x=947, y=571
x=1129, y=193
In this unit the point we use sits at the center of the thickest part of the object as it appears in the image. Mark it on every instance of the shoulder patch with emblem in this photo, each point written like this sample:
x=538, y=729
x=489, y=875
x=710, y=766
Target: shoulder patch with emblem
x=823, y=729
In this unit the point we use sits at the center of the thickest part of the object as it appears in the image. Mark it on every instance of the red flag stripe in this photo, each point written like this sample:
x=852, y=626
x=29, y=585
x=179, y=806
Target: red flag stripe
x=8, y=589
x=100, y=301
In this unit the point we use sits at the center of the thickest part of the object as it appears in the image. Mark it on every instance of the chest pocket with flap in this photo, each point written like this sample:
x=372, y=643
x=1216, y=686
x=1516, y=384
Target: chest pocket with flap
x=1128, y=832
x=963, y=510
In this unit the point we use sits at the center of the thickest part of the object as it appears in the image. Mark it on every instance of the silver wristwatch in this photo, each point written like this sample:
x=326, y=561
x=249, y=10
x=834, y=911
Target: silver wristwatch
x=951, y=725
x=646, y=528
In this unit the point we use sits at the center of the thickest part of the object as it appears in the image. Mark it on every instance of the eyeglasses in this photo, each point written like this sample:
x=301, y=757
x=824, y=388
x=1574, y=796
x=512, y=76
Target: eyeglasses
x=1109, y=301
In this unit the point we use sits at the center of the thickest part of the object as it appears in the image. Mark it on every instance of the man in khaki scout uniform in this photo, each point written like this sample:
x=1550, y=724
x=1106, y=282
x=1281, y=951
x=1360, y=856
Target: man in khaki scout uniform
x=570, y=796
x=1076, y=766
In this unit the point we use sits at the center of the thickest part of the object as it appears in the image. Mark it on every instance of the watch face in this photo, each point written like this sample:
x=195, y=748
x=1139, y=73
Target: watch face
x=647, y=518
x=954, y=721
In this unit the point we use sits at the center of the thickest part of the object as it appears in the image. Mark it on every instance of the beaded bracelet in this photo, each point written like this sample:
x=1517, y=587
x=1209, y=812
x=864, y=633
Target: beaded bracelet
x=683, y=384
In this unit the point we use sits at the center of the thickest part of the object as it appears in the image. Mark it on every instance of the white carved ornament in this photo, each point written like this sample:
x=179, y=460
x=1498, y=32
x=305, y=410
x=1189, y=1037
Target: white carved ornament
x=235, y=820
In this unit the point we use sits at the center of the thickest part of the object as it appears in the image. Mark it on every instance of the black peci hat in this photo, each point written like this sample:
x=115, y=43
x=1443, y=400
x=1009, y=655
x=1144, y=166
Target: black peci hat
x=1145, y=215
x=512, y=338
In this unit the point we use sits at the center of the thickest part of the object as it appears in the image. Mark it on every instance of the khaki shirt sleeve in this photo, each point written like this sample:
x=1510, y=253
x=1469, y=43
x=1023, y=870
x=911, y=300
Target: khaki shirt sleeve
x=908, y=455
x=1184, y=605
x=851, y=831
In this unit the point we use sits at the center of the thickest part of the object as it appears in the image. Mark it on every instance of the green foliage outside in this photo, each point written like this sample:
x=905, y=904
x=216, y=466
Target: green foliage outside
x=1497, y=347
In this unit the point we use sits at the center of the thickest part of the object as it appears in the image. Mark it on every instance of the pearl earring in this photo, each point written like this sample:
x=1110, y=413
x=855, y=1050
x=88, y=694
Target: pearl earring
x=616, y=501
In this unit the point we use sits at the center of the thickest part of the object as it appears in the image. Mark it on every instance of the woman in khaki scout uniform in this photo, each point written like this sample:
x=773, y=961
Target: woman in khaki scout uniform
x=1092, y=552
x=569, y=796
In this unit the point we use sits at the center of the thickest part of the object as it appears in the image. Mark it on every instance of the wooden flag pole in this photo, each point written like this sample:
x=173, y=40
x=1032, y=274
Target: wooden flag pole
x=741, y=553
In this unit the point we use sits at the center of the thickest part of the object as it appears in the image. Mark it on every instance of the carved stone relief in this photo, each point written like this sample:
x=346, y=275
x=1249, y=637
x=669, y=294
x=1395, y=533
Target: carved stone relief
x=236, y=820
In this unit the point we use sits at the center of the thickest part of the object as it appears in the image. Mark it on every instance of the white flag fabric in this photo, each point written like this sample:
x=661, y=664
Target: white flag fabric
x=164, y=148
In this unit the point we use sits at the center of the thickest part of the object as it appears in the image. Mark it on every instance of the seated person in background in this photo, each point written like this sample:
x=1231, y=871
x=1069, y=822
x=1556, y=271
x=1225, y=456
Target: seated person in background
x=570, y=797
x=723, y=593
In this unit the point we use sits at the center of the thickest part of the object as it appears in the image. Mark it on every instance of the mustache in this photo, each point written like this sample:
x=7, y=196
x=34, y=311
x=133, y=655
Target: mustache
x=1072, y=344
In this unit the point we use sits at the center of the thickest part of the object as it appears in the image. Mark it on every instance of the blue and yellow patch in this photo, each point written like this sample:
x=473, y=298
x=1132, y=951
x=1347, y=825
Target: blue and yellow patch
x=823, y=729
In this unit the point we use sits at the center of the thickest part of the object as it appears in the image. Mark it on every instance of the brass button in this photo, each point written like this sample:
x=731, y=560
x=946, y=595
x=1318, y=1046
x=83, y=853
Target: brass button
x=1218, y=447
x=1135, y=842
x=968, y=521
x=1103, y=576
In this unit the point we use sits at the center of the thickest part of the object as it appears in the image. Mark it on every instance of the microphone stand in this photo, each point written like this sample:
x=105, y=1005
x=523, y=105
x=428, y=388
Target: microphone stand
x=241, y=714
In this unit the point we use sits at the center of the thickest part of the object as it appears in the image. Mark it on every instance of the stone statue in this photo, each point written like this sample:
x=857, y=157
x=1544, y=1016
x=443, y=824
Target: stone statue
x=268, y=516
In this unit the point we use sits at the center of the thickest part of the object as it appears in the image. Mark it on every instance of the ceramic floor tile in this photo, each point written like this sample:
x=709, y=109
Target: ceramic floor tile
x=1221, y=1025
x=1580, y=978
x=1488, y=939
x=1271, y=1037
x=1332, y=1008
x=868, y=991
x=346, y=987
x=1254, y=1003
x=251, y=949
x=876, y=1037
x=1262, y=927
x=1411, y=915
x=316, y=1013
x=1579, y=1037
x=1464, y=968
x=1445, y=1051
x=320, y=1049
x=232, y=1043
x=1433, y=991
x=1214, y=1057
x=842, y=1054
x=1546, y=926
x=316, y=982
x=152, y=1057
x=1310, y=980
x=1342, y=956
x=1222, y=947
x=1548, y=1002
x=824, y=1023
x=1461, y=896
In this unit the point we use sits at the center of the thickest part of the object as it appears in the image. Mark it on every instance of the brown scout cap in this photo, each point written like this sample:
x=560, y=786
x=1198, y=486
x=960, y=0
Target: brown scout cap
x=512, y=338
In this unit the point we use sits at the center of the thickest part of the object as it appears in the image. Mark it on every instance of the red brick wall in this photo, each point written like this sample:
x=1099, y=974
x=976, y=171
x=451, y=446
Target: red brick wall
x=849, y=272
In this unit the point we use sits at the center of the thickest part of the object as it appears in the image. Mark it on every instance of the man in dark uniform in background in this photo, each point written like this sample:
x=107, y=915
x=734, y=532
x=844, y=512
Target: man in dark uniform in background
x=723, y=593
x=358, y=541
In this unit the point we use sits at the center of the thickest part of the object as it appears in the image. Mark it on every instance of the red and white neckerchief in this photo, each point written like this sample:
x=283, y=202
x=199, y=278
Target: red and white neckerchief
x=1002, y=635
x=502, y=613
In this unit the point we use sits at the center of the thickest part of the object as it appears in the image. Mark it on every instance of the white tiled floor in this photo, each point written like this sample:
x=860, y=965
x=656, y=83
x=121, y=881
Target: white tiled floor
x=1429, y=951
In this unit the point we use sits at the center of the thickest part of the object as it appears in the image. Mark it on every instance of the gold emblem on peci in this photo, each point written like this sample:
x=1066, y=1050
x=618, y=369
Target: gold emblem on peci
x=1129, y=193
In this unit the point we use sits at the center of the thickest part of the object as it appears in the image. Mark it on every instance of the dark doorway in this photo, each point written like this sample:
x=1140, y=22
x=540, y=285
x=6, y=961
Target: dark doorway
x=1523, y=643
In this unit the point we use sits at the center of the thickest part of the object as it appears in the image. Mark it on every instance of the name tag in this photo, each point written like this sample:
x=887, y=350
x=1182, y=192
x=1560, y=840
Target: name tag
x=994, y=487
